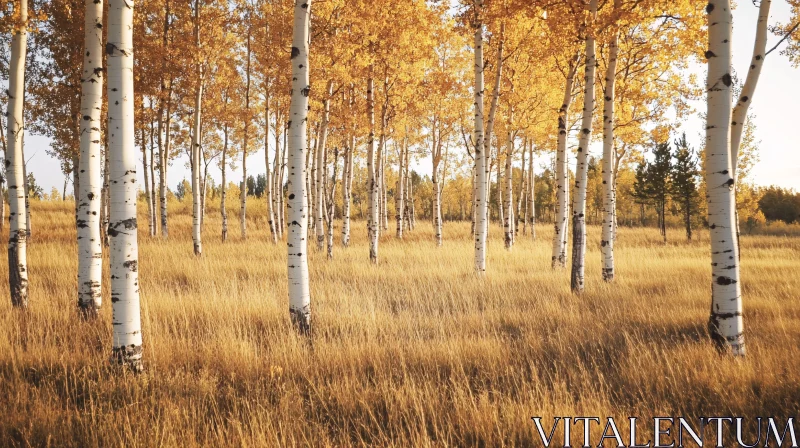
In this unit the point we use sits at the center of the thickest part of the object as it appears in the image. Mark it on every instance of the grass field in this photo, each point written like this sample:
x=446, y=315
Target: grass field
x=414, y=352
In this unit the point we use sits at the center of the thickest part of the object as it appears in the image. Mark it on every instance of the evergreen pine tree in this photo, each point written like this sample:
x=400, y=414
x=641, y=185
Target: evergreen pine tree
x=684, y=182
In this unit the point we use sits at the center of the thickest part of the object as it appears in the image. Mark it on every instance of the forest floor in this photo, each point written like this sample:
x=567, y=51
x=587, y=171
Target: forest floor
x=414, y=352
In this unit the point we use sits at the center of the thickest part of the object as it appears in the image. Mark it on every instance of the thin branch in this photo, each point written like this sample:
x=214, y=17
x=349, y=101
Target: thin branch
x=785, y=36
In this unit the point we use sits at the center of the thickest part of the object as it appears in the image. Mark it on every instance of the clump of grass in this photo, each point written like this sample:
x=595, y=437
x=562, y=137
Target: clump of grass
x=414, y=352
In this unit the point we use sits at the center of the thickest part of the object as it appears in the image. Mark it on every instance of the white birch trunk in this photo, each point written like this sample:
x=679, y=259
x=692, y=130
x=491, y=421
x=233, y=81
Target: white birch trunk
x=481, y=143
x=223, y=210
x=347, y=183
x=163, y=124
x=559, y=257
x=725, y=322
x=268, y=173
x=436, y=155
x=372, y=172
x=90, y=244
x=582, y=165
x=126, y=322
x=15, y=163
x=196, y=152
x=281, y=172
x=531, y=194
x=277, y=192
x=243, y=194
x=319, y=196
x=299, y=295
x=488, y=137
x=749, y=87
x=400, y=191
x=152, y=196
x=508, y=205
x=146, y=171
x=106, y=206
x=332, y=205
x=609, y=206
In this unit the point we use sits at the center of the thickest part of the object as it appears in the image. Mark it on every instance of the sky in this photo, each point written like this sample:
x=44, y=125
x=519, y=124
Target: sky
x=772, y=107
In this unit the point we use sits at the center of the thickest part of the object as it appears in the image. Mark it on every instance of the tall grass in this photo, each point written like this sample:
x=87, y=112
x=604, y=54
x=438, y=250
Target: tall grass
x=414, y=352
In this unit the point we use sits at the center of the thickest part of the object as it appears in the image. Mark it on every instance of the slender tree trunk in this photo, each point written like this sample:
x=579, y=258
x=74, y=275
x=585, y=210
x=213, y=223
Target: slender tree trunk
x=582, y=165
x=319, y=197
x=224, y=187
x=126, y=322
x=399, y=193
x=243, y=191
x=312, y=192
x=481, y=154
x=146, y=171
x=508, y=205
x=372, y=172
x=559, y=258
x=384, y=195
x=347, y=183
x=268, y=174
x=196, y=144
x=436, y=154
x=15, y=162
x=522, y=204
x=163, y=124
x=90, y=244
x=748, y=89
x=409, y=193
x=299, y=296
x=26, y=186
x=688, y=217
x=609, y=206
x=281, y=172
x=277, y=192
x=152, y=196
x=106, y=206
x=332, y=204
x=531, y=194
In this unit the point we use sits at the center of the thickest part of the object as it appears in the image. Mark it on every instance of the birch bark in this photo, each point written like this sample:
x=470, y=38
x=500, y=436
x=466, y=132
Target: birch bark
x=15, y=162
x=609, y=205
x=481, y=225
x=582, y=165
x=531, y=194
x=197, y=209
x=725, y=322
x=299, y=295
x=90, y=244
x=319, y=196
x=508, y=205
x=372, y=174
x=243, y=191
x=126, y=321
x=559, y=257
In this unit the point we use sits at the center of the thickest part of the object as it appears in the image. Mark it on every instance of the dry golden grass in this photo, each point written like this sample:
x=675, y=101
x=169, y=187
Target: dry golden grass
x=415, y=352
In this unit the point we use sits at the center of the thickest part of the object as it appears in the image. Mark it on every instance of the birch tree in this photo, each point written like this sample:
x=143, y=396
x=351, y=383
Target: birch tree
x=15, y=160
x=481, y=224
x=725, y=323
x=299, y=296
x=372, y=173
x=582, y=165
x=196, y=146
x=319, y=196
x=90, y=245
x=126, y=322
x=559, y=257
x=609, y=206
